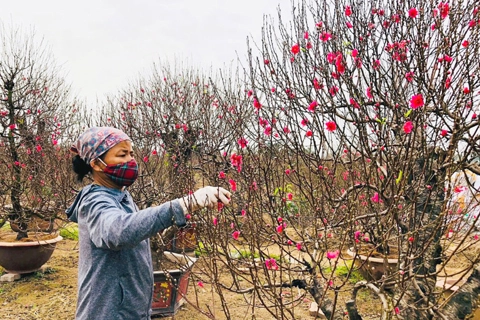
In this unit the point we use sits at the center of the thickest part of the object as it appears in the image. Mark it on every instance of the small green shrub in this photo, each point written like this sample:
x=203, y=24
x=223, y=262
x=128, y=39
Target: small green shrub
x=70, y=231
x=275, y=256
x=355, y=275
x=200, y=250
x=342, y=272
x=244, y=254
x=5, y=225
x=279, y=257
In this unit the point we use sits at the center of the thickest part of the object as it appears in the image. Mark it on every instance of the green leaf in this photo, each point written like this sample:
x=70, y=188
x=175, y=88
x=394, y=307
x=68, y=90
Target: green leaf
x=399, y=178
x=407, y=114
x=288, y=188
x=276, y=191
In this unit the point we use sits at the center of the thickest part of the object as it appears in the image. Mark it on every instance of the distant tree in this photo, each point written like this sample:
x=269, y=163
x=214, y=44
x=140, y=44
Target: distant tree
x=175, y=120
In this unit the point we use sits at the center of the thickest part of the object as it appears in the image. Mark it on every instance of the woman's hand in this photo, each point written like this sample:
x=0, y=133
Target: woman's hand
x=206, y=197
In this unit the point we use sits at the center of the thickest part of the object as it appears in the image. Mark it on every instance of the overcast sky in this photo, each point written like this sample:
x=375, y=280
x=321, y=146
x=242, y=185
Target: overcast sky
x=102, y=44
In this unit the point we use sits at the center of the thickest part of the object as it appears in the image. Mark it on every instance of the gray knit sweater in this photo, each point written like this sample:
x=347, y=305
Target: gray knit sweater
x=115, y=276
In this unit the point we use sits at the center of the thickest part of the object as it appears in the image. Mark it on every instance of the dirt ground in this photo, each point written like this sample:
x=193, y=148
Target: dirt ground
x=49, y=295
x=52, y=295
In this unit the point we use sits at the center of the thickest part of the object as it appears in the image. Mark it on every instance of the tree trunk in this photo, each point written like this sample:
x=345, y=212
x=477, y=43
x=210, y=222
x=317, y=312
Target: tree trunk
x=426, y=229
x=465, y=300
x=16, y=215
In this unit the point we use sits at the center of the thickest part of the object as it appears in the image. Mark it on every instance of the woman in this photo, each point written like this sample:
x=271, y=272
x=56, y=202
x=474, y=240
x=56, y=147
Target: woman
x=115, y=275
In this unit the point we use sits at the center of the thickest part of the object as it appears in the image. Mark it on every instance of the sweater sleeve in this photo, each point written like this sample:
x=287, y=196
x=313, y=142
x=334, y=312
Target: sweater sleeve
x=110, y=227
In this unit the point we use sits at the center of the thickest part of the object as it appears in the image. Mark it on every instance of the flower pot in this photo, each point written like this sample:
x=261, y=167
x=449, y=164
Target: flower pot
x=170, y=286
x=26, y=257
x=185, y=240
x=373, y=268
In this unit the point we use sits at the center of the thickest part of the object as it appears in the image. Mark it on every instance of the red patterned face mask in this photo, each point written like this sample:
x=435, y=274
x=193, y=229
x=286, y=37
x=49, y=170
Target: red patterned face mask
x=122, y=174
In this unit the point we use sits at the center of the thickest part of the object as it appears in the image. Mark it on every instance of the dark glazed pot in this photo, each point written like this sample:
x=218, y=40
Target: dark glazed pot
x=374, y=268
x=26, y=257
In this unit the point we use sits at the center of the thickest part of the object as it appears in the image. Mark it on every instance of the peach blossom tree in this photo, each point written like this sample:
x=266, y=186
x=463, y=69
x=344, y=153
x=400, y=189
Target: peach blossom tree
x=37, y=118
x=341, y=143
x=369, y=108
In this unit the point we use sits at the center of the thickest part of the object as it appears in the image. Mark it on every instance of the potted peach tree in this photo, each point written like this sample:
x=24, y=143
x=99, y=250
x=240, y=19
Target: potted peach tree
x=35, y=118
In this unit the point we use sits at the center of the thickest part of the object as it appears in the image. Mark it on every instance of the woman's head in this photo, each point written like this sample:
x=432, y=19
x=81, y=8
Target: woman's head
x=106, y=153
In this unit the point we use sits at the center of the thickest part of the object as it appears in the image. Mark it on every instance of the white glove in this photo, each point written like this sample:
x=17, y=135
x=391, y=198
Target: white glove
x=205, y=197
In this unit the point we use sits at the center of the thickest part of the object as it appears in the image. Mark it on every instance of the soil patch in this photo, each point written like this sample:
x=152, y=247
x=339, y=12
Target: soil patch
x=6, y=235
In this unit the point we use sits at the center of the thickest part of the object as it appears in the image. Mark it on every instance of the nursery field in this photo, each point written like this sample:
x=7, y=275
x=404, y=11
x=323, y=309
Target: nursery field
x=52, y=295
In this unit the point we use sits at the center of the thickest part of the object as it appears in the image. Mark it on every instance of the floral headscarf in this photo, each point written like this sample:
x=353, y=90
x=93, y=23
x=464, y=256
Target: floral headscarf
x=96, y=141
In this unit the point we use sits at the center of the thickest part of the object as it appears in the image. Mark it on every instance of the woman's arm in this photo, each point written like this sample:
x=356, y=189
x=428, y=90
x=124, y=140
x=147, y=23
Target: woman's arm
x=110, y=227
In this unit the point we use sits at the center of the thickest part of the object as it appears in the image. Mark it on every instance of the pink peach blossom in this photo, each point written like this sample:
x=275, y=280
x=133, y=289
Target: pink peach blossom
x=312, y=106
x=348, y=11
x=296, y=48
x=242, y=142
x=233, y=185
x=408, y=127
x=325, y=36
x=236, y=234
x=271, y=264
x=257, y=104
x=369, y=93
x=416, y=101
x=332, y=254
x=409, y=76
x=375, y=197
x=412, y=13
x=444, y=9
x=354, y=103
x=331, y=126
